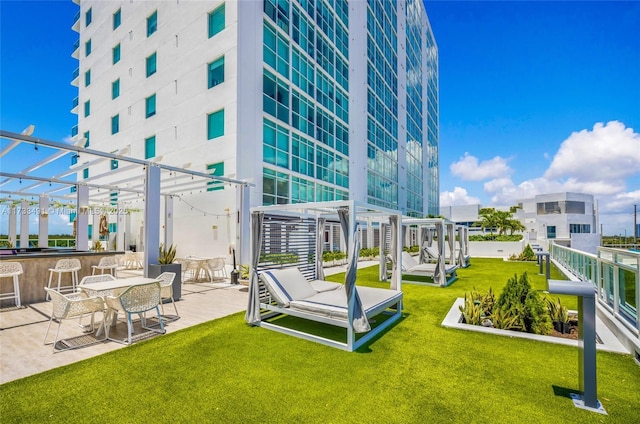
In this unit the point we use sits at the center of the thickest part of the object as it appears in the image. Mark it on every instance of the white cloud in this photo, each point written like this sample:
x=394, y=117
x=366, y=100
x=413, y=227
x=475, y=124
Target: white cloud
x=457, y=197
x=603, y=162
x=468, y=168
x=608, y=152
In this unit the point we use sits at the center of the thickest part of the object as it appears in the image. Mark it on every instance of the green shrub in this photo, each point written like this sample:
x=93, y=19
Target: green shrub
x=519, y=300
x=279, y=258
x=527, y=254
x=496, y=237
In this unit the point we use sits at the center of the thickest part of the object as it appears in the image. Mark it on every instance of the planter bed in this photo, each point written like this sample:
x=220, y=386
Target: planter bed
x=604, y=338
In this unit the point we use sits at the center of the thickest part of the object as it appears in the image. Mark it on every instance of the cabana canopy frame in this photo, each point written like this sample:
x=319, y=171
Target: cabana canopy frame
x=149, y=171
x=292, y=231
x=444, y=271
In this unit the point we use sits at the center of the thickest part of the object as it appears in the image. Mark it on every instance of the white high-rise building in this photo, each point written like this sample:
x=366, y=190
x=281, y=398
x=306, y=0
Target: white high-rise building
x=309, y=100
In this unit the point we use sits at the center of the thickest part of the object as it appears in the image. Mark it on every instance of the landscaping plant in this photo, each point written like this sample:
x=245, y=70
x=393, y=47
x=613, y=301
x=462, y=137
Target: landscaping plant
x=519, y=299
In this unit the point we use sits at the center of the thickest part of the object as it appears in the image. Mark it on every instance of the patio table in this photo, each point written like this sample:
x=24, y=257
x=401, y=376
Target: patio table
x=113, y=288
x=200, y=266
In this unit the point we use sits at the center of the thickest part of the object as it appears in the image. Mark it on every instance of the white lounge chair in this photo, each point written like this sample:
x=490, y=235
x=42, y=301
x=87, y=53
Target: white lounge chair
x=289, y=292
x=410, y=266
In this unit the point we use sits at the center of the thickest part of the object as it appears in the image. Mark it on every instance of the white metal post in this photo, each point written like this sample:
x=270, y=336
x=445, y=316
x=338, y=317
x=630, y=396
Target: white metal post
x=24, y=224
x=151, y=217
x=43, y=222
x=168, y=221
x=13, y=226
x=82, y=218
x=120, y=227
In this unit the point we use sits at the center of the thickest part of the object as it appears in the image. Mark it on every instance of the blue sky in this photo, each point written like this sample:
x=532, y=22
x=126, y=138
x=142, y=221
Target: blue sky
x=535, y=97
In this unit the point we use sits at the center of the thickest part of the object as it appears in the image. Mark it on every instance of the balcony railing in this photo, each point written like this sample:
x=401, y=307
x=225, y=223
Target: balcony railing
x=74, y=131
x=76, y=22
x=615, y=274
x=76, y=46
x=74, y=103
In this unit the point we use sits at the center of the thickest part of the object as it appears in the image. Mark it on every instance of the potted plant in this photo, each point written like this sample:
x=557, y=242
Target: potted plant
x=559, y=316
x=244, y=274
x=166, y=258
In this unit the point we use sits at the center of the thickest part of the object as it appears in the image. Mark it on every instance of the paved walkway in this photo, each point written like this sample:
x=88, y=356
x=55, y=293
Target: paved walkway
x=22, y=352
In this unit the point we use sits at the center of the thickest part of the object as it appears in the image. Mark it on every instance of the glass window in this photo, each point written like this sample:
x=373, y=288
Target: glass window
x=216, y=72
x=152, y=23
x=115, y=89
x=114, y=164
x=87, y=17
x=116, y=54
x=216, y=21
x=86, y=137
x=87, y=78
x=150, y=147
x=87, y=108
x=150, y=106
x=117, y=18
x=85, y=173
x=87, y=48
x=215, y=124
x=151, y=64
x=115, y=124
x=216, y=169
x=551, y=231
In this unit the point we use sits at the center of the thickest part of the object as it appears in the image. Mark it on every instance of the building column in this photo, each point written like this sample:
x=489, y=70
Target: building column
x=95, y=227
x=82, y=218
x=243, y=228
x=13, y=226
x=151, y=217
x=43, y=222
x=168, y=221
x=120, y=227
x=24, y=224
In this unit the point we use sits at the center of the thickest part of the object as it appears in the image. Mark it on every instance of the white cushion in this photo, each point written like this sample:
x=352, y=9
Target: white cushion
x=408, y=261
x=323, y=286
x=286, y=285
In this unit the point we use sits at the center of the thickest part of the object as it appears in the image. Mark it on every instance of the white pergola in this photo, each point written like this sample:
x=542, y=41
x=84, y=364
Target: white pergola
x=131, y=178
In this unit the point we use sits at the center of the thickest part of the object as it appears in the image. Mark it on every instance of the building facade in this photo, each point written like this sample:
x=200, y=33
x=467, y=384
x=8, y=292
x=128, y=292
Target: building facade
x=309, y=100
x=566, y=218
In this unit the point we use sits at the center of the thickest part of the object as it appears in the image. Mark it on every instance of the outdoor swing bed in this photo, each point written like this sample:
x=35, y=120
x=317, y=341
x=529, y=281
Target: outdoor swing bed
x=287, y=277
x=434, y=266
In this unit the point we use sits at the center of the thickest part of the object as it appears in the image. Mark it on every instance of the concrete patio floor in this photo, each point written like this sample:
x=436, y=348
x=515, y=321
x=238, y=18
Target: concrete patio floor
x=22, y=352
x=22, y=330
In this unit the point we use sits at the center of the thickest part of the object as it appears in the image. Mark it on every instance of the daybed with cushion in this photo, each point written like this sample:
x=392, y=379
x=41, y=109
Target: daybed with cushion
x=287, y=276
x=434, y=271
x=290, y=289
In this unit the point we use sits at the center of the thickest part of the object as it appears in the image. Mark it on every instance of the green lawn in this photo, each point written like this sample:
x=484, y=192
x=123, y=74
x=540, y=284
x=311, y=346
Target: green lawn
x=225, y=371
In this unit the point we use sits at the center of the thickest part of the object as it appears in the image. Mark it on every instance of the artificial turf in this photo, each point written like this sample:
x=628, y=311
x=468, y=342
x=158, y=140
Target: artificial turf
x=225, y=371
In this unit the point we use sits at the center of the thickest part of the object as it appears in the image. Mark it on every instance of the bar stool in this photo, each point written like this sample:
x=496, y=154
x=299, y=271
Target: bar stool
x=109, y=263
x=11, y=269
x=71, y=266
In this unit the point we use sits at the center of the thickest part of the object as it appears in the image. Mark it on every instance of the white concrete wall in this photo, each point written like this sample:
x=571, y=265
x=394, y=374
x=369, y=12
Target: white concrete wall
x=495, y=249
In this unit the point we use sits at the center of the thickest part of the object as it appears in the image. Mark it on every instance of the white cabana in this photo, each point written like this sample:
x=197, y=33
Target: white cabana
x=286, y=266
x=463, y=257
x=441, y=266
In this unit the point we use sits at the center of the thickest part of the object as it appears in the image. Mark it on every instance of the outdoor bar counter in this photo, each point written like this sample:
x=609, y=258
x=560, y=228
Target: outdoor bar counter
x=36, y=263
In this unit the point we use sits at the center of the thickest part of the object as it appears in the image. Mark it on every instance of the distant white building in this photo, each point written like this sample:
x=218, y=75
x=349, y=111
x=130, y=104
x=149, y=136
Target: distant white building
x=570, y=219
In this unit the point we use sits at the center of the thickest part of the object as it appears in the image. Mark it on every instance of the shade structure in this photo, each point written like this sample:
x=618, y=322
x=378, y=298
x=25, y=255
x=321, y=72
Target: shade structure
x=443, y=271
x=285, y=237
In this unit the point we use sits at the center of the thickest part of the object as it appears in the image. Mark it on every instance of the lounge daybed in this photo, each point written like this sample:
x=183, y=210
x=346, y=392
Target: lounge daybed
x=324, y=300
x=287, y=275
x=410, y=266
x=443, y=271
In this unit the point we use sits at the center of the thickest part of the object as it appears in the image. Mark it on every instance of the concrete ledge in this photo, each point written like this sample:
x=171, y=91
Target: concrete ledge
x=609, y=342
